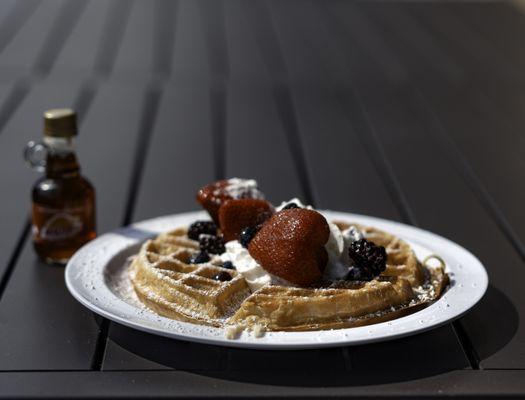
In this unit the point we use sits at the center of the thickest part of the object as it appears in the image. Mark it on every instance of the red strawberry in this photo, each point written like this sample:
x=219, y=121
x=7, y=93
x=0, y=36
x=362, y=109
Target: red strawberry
x=290, y=245
x=212, y=196
x=235, y=215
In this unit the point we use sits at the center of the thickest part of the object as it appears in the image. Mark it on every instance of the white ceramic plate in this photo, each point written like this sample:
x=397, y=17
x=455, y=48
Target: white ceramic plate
x=96, y=277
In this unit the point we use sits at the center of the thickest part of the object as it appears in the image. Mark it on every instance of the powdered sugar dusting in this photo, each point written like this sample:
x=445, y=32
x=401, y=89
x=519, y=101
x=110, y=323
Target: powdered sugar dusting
x=120, y=283
x=243, y=188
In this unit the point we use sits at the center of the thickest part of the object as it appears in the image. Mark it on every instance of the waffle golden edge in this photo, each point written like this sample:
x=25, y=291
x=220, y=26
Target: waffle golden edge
x=261, y=268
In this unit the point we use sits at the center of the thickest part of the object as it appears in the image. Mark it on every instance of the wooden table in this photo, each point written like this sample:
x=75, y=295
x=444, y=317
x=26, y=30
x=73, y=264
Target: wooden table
x=403, y=110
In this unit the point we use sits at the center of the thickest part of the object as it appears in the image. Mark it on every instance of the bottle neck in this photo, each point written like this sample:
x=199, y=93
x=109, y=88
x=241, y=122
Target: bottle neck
x=61, y=160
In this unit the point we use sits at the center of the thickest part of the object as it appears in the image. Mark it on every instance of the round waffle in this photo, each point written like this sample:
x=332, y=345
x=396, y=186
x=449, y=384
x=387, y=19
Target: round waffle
x=165, y=281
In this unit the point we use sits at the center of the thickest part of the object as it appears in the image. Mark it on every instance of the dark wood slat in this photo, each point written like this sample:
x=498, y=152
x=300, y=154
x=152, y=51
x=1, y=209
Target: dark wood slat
x=433, y=61
x=184, y=138
x=256, y=134
x=163, y=43
x=407, y=131
x=340, y=152
x=326, y=132
x=23, y=124
x=212, y=17
x=56, y=332
x=113, y=124
x=45, y=328
x=245, y=147
x=130, y=349
x=497, y=106
x=111, y=38
x=213, y=21
x=22, y=52
x=7, y=9
x=325, y=361
x=499, y=23
x=13, y=16
x=495, y=140
x=343, y=149
x=57, y=35
x=415, y=357
x=178, y=384
x=246, y=63
x=367, y=56
x=190, y=56
x=408, y=111
x=368, y=196
x=78, y=55
x=502, y=93
x=180, y=156
x=256, y=144
x=266, y=43
x=482, y=106
x=489, y=63
x=135, y=54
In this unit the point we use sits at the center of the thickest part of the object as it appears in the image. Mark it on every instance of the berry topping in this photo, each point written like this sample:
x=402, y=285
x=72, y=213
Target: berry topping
x=212, y=244
x=290, y=245
x=228, y=265
x=212, y=196
x=201, y=228
x=199, y=258
x=290, y=206
x=223, y=276
x=247, y=235
x=369, y=259
x=235, y=215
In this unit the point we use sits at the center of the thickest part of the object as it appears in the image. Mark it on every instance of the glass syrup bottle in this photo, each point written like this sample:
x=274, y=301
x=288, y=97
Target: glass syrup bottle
x=63, y=201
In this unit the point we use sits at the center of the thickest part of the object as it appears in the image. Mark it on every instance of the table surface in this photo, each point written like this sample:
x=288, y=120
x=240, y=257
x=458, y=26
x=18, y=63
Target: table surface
x=403, y=110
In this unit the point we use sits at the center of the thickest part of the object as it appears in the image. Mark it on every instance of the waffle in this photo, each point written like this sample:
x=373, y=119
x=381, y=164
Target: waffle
x=404, y=287
x=165, y=281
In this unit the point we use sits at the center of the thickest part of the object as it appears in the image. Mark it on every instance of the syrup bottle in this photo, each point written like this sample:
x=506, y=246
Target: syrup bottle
x=63, y=206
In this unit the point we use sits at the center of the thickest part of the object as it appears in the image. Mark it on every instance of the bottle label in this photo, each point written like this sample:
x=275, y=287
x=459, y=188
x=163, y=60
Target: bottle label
x=58, y=224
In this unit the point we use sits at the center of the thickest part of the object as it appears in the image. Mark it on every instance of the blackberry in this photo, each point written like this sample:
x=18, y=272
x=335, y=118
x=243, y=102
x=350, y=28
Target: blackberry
x=247, y=234
x=369, y=260
x=223, y=276
x=228, y=265
x=289, y=206
x=201, y=227
x=211, y=244
x=199, y=258
x=358, y=274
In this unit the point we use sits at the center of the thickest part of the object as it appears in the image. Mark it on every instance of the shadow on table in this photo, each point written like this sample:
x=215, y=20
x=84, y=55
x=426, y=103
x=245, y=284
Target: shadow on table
x=493, y=324
x=424, y=355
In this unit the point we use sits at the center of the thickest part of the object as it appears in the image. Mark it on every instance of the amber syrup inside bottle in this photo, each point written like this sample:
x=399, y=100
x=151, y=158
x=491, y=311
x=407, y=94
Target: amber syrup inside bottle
x=63, y=201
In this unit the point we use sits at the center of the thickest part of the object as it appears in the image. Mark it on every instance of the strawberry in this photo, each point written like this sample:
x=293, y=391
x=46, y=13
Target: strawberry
x=214, y=195
x=290, y=245
x=235, y=215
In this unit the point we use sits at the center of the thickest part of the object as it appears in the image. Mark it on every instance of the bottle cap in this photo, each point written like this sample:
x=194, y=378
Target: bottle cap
x=60, y=122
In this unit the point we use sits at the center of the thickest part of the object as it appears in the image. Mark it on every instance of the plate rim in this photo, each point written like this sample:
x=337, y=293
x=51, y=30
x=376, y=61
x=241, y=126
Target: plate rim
x=338, y=341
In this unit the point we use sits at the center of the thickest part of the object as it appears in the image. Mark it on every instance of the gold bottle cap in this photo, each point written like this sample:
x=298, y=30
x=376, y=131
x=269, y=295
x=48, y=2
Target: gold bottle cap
x=60, y=122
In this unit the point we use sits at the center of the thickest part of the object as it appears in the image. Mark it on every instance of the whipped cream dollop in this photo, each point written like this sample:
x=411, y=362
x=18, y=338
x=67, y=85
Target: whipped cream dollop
x=338, y=267
x=243, y=188
x=295, y=201
x=255, y=275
